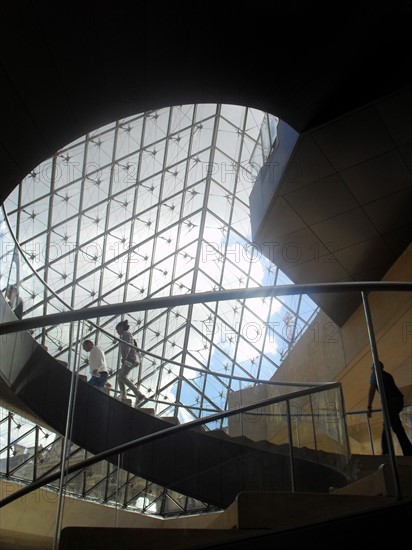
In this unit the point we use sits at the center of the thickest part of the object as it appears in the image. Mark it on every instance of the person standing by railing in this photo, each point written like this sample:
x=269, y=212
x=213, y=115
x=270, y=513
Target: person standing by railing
x=394, y=401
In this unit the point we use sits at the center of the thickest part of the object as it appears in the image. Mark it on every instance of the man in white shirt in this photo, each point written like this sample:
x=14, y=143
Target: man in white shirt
x=97, y=364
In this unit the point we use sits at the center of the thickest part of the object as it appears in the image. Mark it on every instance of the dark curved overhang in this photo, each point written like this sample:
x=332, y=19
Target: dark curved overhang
x=334, y=203
x=66, y=71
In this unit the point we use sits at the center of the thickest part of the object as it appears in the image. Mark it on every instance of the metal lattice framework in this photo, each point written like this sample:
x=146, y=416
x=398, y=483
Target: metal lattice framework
x=149, y=206
x=26, y=454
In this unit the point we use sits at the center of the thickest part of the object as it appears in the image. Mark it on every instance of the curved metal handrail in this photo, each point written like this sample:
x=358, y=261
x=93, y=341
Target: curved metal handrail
x=202, y=297
x=145, y=353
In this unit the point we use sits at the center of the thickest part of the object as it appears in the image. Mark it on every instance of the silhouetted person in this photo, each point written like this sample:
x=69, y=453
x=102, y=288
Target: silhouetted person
x=15, y=301
x=97, y=364
x=130, y=359
x=394, y=401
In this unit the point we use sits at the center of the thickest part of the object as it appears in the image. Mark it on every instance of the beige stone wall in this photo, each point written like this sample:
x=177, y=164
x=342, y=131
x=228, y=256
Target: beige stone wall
x=318, y=356
x=327, y=353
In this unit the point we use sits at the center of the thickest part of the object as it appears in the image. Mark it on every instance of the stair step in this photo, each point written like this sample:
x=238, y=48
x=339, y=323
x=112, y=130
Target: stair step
x=364, y=465
x=372, y=484
x=171, y=419
x=381, y=482
x=222, y=434
x=270, y=510
x=127, y=538
x=147, y=410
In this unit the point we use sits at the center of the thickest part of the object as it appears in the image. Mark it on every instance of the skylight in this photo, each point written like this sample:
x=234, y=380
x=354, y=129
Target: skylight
x=150, y=206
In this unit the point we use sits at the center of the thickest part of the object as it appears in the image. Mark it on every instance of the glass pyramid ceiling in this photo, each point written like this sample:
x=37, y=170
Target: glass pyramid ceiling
x=149, y=206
